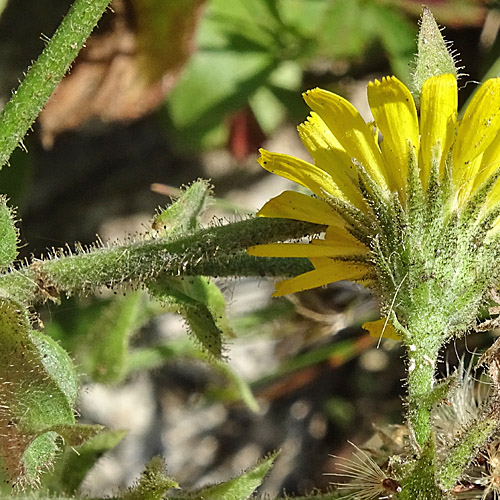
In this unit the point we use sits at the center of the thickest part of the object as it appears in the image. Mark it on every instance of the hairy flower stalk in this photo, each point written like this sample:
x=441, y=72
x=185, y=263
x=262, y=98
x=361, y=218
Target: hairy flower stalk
x=412, y=204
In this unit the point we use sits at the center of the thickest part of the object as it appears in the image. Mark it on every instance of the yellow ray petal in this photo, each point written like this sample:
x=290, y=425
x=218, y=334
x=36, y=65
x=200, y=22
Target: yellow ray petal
x=477, y=130
x=330, y=156
x=463, y=191
x=298, y=206
x=340, y=236
x=335, y=271
x=300, y=171
x=396, y=117
x=490, y=163
x=304, y=250
x=494, y=196
x=351, y=131
x=381, y=328
x=438, y=121
x=495, y=229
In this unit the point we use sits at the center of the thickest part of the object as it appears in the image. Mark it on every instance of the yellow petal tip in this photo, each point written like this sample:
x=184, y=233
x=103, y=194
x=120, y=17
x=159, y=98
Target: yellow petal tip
x=381, y=329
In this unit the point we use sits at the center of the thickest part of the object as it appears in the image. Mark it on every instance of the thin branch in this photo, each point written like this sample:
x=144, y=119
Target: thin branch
x=42, y=78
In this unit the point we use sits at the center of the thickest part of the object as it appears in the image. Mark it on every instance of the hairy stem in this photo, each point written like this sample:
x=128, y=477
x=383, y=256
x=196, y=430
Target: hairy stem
x=42, y=78
x=216, y=251
x=421, y=368
x=420, y=478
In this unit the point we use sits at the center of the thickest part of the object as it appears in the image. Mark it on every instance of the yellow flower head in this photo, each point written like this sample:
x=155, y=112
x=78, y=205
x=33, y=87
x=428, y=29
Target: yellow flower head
x=386, y=186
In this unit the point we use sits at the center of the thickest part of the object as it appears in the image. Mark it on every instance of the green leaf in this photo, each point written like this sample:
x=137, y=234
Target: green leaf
x=8, y=235
x=206, y=292
x=149, y=358
x=215, y=81
x=306, y=16
x=398, y=38
x=183, y=215
x=57, y=364
x=346, y=28
x=239, y=488
x=77, y=460
x=214, y=84
x=37, y=392
x=108, y=340
x=230, y=24
x=202, y=305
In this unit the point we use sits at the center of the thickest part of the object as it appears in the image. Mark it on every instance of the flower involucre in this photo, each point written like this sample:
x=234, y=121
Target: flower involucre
x=411, y=200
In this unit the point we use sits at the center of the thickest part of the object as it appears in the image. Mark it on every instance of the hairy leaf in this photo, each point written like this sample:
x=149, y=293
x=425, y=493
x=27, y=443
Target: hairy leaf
x=239, y=488
x=183, y=214
x=202, y=305
x=37, y=392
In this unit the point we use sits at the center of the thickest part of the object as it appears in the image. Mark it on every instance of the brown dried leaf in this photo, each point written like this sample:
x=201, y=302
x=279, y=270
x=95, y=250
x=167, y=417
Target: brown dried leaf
x=127, y=67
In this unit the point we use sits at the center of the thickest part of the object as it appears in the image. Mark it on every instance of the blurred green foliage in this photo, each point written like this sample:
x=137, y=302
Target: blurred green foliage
x=256, y=54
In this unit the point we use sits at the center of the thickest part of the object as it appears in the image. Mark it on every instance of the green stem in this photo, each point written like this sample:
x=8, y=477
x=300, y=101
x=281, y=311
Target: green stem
x=217, y=251
x=420, y=479
x=42, y=78
x=421, y=368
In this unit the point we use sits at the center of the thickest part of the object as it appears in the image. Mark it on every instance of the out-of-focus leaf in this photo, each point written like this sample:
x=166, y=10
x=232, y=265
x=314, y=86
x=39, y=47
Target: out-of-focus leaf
x=127, y=66
x=267, y=104
x=3, y=3
x=268, y=110
x=232, y=388
x=8, y=235
x=229, y=24
x=76, y=461
x=15, y=181
x=149, y=358
x=107, y=347
x=347, y=27
x=37, y=394
x=165, y=35
x=235, y=390
x=214, y=84
x=456, y=13
x=398, y=38
x=305, y=16
x=239, y=488
x=288, y=75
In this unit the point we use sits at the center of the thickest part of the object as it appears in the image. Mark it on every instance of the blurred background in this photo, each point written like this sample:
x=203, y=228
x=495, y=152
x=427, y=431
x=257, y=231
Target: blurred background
x=168, y=91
